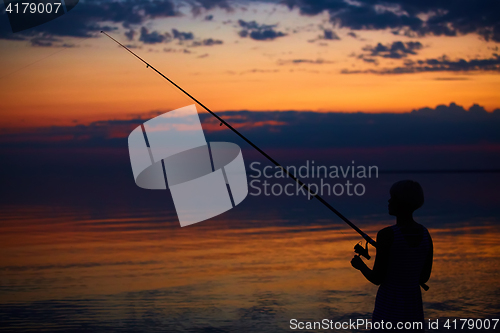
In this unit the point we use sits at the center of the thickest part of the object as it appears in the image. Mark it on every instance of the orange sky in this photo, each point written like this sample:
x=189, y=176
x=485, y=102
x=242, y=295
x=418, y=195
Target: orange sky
x=98, y=80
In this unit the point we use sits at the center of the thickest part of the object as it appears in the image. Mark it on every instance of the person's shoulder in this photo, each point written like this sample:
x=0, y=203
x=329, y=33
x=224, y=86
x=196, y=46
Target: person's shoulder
x=425, y=230
x=386, y=231
x=422, y=227
x=385, y=235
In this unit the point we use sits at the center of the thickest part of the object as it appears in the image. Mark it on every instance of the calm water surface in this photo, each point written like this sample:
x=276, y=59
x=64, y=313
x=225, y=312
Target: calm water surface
x=66, y=269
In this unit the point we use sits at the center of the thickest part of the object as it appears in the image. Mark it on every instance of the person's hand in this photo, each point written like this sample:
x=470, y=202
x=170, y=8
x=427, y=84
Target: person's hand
x=357, y=262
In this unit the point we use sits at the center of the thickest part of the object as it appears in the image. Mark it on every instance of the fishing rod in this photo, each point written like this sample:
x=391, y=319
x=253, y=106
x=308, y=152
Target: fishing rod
x=358, y=248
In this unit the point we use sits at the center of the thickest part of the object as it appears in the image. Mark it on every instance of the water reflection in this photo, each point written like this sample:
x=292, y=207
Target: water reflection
x=67, y=270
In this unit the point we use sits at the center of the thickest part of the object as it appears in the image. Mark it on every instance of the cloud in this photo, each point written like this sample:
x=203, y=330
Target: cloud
x=460, y=78
x=313, y=7
x=411, y=17
x=330, y=35
x=304, y=61
x=172, y=50
x=86, y=19
x=442, y=110
x=396, y=50
x=259, y=32
x=130, y=34
x=73, y=159
x=159, y=8
x=154, y=37
x=44, y=41
x=453, y=111
x=210, y=4
x=477, y=110
x=369, y=18
x=207, y=42
x=257, y=70
x=90, y=17
x=472, y=126
x=268, y=34
x=368, y=60
x=182, y=35
x=442, y=125
x=189, y=36
x=442, y=64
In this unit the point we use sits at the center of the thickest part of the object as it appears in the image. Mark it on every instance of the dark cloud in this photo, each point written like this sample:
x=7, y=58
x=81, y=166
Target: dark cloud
x=201, y=6
x=442, y=125
x=252, y=25
x=304, y=61
x=330, y=35
x=396, y=50
x=209, y=18
x=44, y=41
x=368, y=60
x=459, y=78
x=176, y=50
x=130, y=34
x=472, y=126
x=207, y=42
x=442, y=64
x=352, y=34
x=313, y=7
x=182, y=35
x=259, y=32
x=132, y=46
x=154, y=37
x=477, y=110
x=159, y=8
x=189, y=36
x=90, y=17
x=89, y=165
x=84, y=21
x=368, y=18
x=257, y=70
x=210, y=4
x=87, y=19
x=453, y=111
x=267, y=34
x=459, y=17
x=448, y=18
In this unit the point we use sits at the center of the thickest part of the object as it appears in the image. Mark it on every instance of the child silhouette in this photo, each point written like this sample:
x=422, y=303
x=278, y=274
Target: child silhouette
x=403, y=261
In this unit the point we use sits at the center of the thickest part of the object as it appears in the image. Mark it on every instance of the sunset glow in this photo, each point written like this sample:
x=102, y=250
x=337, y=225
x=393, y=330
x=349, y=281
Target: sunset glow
x=304, y=69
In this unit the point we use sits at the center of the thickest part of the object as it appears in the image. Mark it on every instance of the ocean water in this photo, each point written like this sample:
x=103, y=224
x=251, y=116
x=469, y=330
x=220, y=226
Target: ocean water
x=253, y=269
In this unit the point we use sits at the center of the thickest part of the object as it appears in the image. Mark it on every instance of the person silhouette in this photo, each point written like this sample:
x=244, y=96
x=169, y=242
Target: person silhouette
x=403, y=261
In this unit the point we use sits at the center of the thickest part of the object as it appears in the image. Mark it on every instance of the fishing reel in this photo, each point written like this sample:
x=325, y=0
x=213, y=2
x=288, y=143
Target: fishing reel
x=358, y=248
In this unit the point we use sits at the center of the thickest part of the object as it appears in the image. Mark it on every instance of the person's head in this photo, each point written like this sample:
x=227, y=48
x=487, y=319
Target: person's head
x=406, y=197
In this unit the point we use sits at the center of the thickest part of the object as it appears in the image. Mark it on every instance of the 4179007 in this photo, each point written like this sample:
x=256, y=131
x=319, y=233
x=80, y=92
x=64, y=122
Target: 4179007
x=471, y=324
x=33, y=8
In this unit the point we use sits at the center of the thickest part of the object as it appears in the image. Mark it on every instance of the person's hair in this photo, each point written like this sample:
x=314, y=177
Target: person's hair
x=408, y=194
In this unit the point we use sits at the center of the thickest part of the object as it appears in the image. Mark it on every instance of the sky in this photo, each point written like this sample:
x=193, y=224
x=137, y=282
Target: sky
x=409, y=86
x=322, y=55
